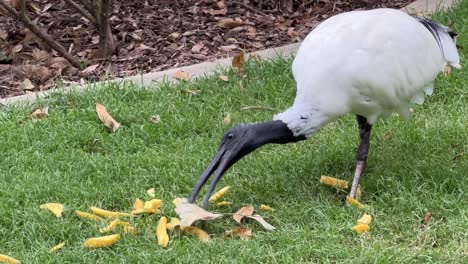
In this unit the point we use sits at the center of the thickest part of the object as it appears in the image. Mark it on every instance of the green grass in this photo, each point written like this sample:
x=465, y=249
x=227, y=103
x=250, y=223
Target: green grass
x=71, y=158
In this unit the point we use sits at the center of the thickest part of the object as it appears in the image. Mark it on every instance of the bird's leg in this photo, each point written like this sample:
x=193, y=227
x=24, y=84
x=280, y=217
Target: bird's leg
x=362, y=151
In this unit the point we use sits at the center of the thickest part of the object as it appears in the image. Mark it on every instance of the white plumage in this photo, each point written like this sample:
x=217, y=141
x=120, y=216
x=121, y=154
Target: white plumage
x=370, y=63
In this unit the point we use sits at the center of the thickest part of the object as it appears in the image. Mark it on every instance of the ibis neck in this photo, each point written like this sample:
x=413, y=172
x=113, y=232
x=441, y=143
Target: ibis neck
x=276, y=132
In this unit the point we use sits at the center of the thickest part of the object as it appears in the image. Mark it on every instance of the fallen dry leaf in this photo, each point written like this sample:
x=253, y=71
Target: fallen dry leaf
x=106, y=118
x=224, y=78
x=190, y=213
x=238, y=62
x=151, y=192
x=90, y=69
x=227, y=119
x=57, y=247
x=427, y=217
x=244, y=211
x=39, y=113
x=181, y=75
x=3, y=34
x=40, y=54
x=17, y=48
x=155, y=119
x=230, y=22
x=241, y=232
x=55, y=208
x=26, y=85
x=262, y=221
x=197, y=48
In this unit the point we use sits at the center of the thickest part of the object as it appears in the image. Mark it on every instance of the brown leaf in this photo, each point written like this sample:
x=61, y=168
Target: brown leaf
x=230, y=22
x=426, y=218
x=190, y=213
x=228, y=48
x=181, y=75
x=3, y=34
x=90, y=69
x=17, y=48
x=224, y=78
x=197, y=48
x=106, y=118
x=227, y=119
x=26, y=85
x=155, y=119
x=241, y=232
x=244, y=211
x=218, y=12
x=40, y=54
x=39, y=113
x=58, y=63
x=238, y=62
x=459, y=156
x=262, y=221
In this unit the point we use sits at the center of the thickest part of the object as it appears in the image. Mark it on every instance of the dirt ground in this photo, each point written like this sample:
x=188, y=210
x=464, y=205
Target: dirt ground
x=152, y=35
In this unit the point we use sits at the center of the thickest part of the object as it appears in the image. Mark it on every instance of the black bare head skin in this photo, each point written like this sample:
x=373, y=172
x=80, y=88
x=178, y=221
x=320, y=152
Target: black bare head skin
x=238, y=142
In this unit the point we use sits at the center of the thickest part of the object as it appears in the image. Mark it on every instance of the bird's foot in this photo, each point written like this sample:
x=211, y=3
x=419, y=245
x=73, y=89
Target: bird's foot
x=360, y=167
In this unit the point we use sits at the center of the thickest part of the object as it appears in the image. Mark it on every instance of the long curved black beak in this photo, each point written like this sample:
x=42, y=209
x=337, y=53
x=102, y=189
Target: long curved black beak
x=218, y=165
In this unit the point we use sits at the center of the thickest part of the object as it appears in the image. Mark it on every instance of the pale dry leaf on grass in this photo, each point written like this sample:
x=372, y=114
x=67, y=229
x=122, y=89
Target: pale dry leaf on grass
x=106, y=118
x=238, y=62
x=155, y=119
x=90, y=69
x=181, y=75
x=151, y=192
x=39, y=113
x=227, y=119
x=55, y=208
x=242, y=232
x=241, y=213
x=189, y=213
x=26, y=85
x=262, y=221
x=224, y=78
x=57, y=247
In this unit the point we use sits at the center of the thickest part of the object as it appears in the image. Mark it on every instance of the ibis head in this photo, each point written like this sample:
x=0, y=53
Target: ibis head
x=235, y=144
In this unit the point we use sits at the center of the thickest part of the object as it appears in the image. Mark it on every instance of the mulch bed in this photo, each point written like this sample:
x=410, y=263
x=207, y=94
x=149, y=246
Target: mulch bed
x=152, y=35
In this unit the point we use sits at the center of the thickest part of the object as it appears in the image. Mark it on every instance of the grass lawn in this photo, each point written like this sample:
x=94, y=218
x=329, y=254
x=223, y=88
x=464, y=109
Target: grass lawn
x=70, y=157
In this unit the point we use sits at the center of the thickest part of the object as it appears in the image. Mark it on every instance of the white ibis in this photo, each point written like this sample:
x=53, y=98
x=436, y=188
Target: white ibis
x=368, y=63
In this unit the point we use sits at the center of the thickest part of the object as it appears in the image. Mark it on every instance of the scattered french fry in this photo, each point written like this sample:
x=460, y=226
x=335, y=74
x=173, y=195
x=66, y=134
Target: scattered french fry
x=337, y=183
x=224, y=203
x=151, y=192
x=86, y=215
x=55, y=208
x=129, y=229
x=361, y=228
x=201, y=234
x=354, y=202
x=265, y=207
x=365, y=219
x=153, y=204
x=7, y=259
x=57, y=247
x=161, y=232
x=173, y=223
x=108, y=214
x=138, y=204
x=111, y=226
x=145, y=211
x=103, y=241
x=215, y=197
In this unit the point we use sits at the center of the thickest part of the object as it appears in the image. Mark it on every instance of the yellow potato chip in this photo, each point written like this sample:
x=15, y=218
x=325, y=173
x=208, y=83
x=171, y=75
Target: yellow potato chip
x=138, y=204
x=55, y=208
